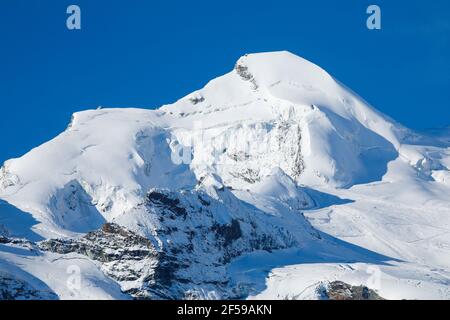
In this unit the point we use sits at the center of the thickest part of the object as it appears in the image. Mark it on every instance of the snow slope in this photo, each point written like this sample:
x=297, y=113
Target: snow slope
x=275, y=155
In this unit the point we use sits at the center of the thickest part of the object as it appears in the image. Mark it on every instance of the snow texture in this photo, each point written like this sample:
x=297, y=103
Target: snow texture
x=270, y=182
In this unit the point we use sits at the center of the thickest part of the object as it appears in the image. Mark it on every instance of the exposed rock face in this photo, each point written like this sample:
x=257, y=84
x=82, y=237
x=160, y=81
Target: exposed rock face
x=110, y=243
x=125, y=256
x=338, y=290
x=244, y=73
x=17, y=241
x=196, y=238
x=162, y=179
x=203, y=234
x=228, y=233
x=12, y=288
x=196, y=99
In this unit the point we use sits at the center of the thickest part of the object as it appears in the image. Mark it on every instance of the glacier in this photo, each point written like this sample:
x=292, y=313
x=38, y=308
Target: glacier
x=270, y=182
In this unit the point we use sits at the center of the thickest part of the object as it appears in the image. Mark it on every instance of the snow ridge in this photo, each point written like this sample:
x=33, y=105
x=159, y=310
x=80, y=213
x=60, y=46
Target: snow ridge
x=274, y=155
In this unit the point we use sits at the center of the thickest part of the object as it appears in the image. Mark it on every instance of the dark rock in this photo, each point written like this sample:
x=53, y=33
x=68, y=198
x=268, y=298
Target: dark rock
x=338, y=290
x=162, y=200
x=203, y=201
x=12, y=288
x=4, y=240
x=242, y=71
x=188, y=257
x=112, y=242
x=196, y=100
x=228, y=233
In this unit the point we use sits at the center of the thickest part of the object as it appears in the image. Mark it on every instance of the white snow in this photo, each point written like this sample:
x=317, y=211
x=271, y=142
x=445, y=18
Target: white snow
x=70, y=277
x=286, y=137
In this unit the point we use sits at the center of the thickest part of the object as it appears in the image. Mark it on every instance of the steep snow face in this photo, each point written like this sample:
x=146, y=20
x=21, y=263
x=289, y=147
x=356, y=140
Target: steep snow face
x=99, y=168
x=277, y=109
x=251, y=149
x=274, y=110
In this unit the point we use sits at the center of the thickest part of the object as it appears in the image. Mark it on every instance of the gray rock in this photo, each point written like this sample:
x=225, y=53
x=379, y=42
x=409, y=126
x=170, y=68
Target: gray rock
x=338, y=290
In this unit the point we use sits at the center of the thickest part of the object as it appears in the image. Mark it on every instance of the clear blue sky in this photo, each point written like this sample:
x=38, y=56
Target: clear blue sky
x=138, y=53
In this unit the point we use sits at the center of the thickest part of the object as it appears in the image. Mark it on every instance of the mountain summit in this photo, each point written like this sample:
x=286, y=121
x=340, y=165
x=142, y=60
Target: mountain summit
x=273, y=161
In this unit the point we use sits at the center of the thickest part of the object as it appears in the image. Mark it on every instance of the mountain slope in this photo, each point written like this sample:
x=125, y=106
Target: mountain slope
x=228, y=171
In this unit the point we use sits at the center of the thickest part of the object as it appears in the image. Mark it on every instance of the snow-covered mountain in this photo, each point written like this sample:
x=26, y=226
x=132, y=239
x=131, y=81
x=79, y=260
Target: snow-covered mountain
x=270, y=182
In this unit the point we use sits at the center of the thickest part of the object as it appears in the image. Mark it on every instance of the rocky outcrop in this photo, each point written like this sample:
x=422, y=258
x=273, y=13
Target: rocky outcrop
x=12, y=288
x=242, y=70
x=110, y=243
x=18, y=242
x=196, y=99
x=196, y=237
x=124, y=256
x=338, y=290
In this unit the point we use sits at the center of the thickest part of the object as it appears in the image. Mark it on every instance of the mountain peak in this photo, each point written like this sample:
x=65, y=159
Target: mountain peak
x=223, y=173
x=271, y=68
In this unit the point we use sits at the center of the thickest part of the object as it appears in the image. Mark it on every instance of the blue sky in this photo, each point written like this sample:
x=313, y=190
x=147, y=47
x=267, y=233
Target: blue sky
x=138, y=53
